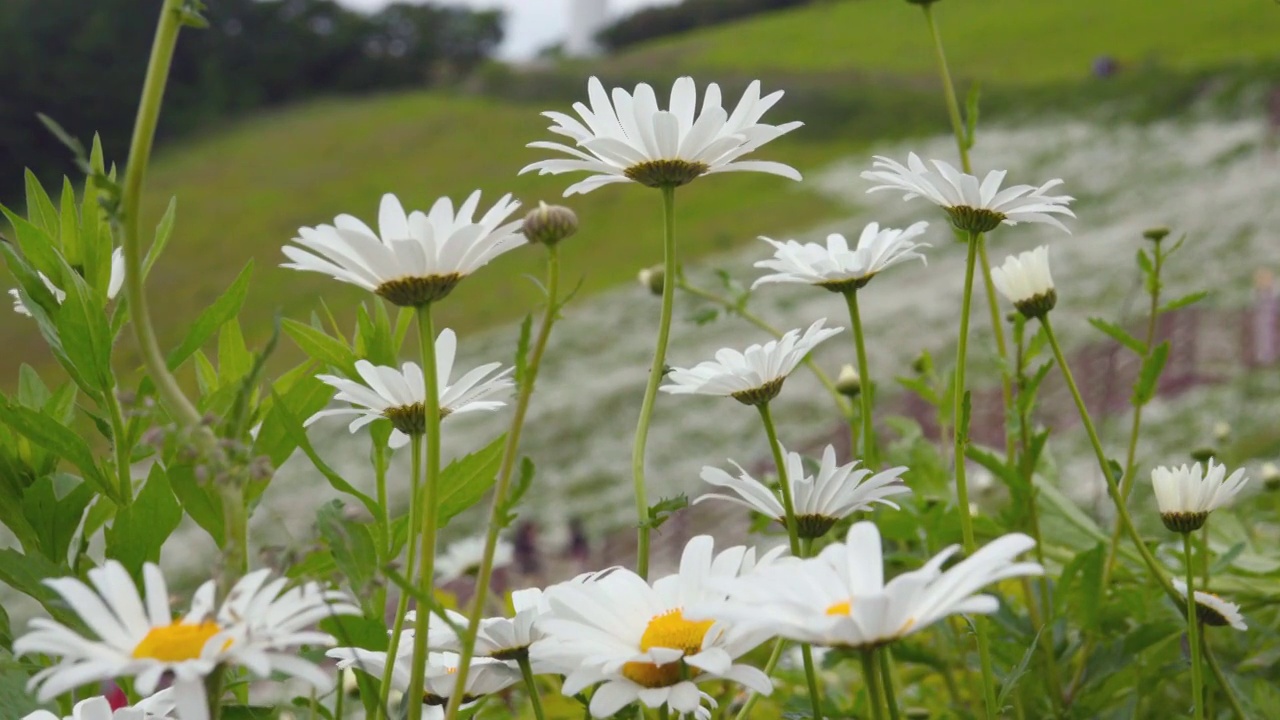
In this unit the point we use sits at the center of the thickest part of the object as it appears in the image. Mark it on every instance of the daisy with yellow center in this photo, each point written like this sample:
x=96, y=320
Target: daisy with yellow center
x=638, y=641
x=260, y=626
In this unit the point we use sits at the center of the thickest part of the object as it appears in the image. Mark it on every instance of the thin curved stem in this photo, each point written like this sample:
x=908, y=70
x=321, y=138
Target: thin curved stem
x=669, y=267
x=871, y=678
x=534, y=699
x=869, y=450
x=1193, y=632
x=402, y=604
x=1227, y=689
x=953, y=105
x=886, y=679
x=119, y=447
x=430, y=489
x=510, y=452
x=1002, y=350
x=769, y=666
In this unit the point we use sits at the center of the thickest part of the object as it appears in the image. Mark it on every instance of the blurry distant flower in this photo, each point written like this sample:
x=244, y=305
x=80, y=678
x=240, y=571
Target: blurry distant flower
x=973, y=206
x=835, y=266
x=1221, y=430
x=1213, y=610
x=1025, y=281
x=1186, y=495
x=629, y=139
x=418, y=258
x=751, y=377
x=398, y=395
x=821, y=500
x=113, y=285
x=463, y=557
x=485, y=676
x=156, y=707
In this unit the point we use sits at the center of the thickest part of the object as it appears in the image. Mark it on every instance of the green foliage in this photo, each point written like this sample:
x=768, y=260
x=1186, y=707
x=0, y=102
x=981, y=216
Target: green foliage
x=141, y=528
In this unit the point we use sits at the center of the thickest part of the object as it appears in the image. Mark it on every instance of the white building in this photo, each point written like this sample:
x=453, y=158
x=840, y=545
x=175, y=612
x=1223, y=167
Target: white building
x=586, y=18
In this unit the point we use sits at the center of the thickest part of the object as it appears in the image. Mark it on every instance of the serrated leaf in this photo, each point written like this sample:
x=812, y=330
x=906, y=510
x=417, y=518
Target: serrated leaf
x=1149, y=377
x=218, y=313
x=1117, y=333
x=298, y=435
x=465, y=480
x=141, y=527
x=1184, y=301
x=1010, y=681
x=58, y=439
x=56, y=516
x=320, y=346
x=40, y=208
x=351, y=543
x=201, y=502
x=661, y=511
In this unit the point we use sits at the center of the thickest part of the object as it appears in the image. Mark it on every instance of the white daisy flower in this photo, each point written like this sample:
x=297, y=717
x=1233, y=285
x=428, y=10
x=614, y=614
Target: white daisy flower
x=615, y=629
x=834, y=266
x=820, y=500
x=114, y=284
x=259, y=628
x=485, y=676
x=972, y=205
x=1213, y=610
x=1025, y=281
x=417, y=258
x=463, y=557
x=500, y=638
x=629, y=139
x=156, y=707
x=840, y=599
x=1186, y=495
x=398, y=395
x=751, y=377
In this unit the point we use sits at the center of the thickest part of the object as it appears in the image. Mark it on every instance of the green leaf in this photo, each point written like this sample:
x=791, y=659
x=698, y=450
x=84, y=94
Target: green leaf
x=201, y=502
x=971, y=115
x=215, y=316
x=58, y=439
x=298, y=435
x=56, y=519
x=522, y=350
x=40, y=207
x=1078, y=596
x=141, y=528
x=38, y=246
x=468, y=478
x=248, y=712
x=1010, y=681
x=86, y=335
x=26, y=574
x=320, y=346
x=303, y=397
x=1183, y=301
x=164, y=231
x=234, y=358
x=1149, y=377
x=1115, y=332
x=352, y=545
x=661, y=511
x=64, y=137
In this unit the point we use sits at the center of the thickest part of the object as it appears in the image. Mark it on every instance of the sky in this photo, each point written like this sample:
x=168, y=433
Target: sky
x=531, y=24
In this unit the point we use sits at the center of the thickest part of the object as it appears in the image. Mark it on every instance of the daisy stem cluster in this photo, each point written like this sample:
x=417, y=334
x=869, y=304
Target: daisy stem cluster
x=1193, y=631
x=871, y=678
x=864, y=372
x=670, y=269
x=885, y=656
x=402, y=604
x=510, y=452
x=430, y=489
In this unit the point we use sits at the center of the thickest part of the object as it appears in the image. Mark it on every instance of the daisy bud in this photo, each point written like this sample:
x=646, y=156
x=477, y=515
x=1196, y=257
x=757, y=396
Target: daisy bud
x=652, y=278
x=1025, y=280
x=849, y=384
x=1270, y=475
x=1186, y=495
x=1221, y=430
x=1156, y=234
x=549, y=224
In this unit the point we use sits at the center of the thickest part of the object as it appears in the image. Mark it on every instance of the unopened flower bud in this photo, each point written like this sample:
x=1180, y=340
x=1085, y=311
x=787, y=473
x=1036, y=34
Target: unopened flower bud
x=1221, y=430
x=549, y=224
x=1156, y=234
x=1203, y=454
x=653, y=279
x=848, y=383
x=1270, y=475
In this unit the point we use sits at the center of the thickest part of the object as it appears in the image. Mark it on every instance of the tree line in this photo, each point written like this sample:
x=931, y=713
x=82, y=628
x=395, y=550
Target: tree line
x=663, y=20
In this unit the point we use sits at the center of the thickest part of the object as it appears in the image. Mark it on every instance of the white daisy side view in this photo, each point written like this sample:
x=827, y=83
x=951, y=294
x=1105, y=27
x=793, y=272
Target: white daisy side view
x=629, y=139
x=140, y=638
x=1187, y=494
x=156, y=707
x=821, y=500
x=1025, y=281
x=399, y=395
x=113, y=285
x=415, y=258
x=751, y=377
x=1213, y=610
x=463, y=557
x=835, y=266
x=500, y=638
x=636, y=641
x=840, y=598
x=974, y=206
x=485, y=677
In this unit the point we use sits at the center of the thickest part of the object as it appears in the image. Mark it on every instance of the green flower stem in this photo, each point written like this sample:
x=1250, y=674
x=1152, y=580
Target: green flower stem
x=527, y=671
x=510, y=452
x=402, y=604
x=886, y=678
x=380, y=483
x=962, y=488
x=144, y=130
x=1221, y=677
x=953, y=106
x=769, y=666
x=430, y=489
x=119, y=446
x=869, y=459
x=1193, y=632
x=670, y=269
x=871, y=678
x=793, y=535
x=214, y=687
x=1002, y=350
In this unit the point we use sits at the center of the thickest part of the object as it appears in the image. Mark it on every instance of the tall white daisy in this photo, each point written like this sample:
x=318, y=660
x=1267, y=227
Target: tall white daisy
x=1213, y=610
x=485, y=676
x=500, y=638
x=835, y=266
x=630, y=139
x=156, y=707
x=821, y=500
x=634, y=639
x=416, y=258
x=753, y=376
x=840, y=598
x=1025, y=281
x=973, y=205
x=463, y=557
x=114, y=284
x=1187, y=494
x=259, y=628
x=399, y=395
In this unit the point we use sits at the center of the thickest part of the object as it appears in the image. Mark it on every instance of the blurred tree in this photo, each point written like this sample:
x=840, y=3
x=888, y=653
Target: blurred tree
x=663, y=20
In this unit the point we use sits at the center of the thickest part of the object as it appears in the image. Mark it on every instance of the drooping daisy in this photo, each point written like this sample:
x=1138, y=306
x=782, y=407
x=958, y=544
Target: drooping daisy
x=820, y=500
x=615, y=629
x=840, y=598
x=1186, y=495
x=485, y=676
x=114, y=284
x=629, y=139
x=835, y=266
x=751, y=377
x=156, y=707
x=1025, y=281
x=398, y=395
x=500, y=638
x=1213, y=610
x=972, y=205
x=416, y=258
x=140, y=638
x=463, y=557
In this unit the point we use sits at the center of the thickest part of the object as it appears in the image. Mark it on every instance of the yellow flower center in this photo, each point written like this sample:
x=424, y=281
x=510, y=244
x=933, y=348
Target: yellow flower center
x=843, y=607
x=668, y=630
x=177, y=642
